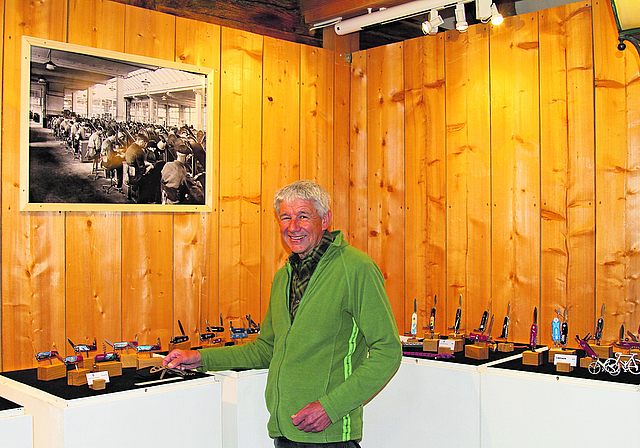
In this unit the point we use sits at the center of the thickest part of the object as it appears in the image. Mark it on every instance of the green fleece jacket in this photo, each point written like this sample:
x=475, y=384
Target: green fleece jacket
x=341, y=349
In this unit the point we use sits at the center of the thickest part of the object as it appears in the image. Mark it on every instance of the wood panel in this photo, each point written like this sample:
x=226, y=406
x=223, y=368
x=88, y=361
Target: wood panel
x=341, y=46
x=147, y=238
x=96, y=23
x=316, y=116
x=194, y=274
x=240, y=180
x=385, y=129
x=33, y=293
x=280, y=147
x=468, y=142
x=612, y=167
x=567, y=175
x=93, y=245
x=425, y=178
x=515, y=168
x=358, y=161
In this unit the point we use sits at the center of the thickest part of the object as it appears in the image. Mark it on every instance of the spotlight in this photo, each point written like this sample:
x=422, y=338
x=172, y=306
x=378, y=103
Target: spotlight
x=50, y=65
x=496, y=17
x=431, y=26
x=461, y=18
x=41, y=80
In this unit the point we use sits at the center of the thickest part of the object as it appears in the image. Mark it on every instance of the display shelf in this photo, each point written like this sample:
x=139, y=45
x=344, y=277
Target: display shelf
x=16, y=428
x=573, y=409
x=122, y=414
x=244, y=412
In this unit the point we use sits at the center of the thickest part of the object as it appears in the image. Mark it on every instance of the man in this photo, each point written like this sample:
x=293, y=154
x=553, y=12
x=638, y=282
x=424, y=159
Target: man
x=177, y=186
x=328, y=338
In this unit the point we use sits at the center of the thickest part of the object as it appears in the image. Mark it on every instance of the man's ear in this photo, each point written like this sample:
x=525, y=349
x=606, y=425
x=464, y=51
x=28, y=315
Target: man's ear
x=326, y=220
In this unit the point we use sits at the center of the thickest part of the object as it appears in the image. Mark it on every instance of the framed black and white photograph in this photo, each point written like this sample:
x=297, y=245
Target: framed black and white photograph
x=108, y=131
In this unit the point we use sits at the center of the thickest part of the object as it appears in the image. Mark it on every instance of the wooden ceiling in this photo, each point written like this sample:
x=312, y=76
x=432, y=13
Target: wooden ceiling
x=292, y=19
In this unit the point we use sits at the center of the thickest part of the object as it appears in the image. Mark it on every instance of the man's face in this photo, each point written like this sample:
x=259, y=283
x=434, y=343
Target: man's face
x=301, y=227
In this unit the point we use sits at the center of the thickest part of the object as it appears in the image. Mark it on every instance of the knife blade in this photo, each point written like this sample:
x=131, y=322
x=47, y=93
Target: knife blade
x=599, y=326
x=533, y=333
x=414, y=319
x=432, y=318
x=505, y=323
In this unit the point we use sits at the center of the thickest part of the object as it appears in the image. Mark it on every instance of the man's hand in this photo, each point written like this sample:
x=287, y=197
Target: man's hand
x=183, y=359
x=311, y=418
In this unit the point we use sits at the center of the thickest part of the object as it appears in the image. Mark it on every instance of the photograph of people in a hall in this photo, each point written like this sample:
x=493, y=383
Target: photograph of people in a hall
x=109, y=131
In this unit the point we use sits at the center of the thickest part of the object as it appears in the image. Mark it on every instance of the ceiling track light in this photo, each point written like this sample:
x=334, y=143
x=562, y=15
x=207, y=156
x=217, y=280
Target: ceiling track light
x=496, y=17
x=431, y=26
x=461, y=18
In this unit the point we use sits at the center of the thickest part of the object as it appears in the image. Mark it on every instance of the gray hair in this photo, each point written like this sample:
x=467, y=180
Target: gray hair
x=306, y=190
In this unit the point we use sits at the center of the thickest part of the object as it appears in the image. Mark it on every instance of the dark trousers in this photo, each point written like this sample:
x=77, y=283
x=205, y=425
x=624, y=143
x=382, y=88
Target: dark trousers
x=282, y=442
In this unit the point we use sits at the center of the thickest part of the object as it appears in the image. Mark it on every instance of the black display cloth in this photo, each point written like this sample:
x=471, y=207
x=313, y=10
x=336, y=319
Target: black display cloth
x=578, y=372
x=459, y=357
x=546, y=367
x=5, y=404
x=127, y=381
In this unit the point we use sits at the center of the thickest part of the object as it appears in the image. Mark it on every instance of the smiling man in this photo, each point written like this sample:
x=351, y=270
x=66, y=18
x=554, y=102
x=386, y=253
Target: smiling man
x=328, y=338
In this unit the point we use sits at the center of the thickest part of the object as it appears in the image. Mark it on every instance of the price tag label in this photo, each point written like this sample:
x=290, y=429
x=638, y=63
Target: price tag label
x=447, y=343
x=104, y=375
x=567, y=359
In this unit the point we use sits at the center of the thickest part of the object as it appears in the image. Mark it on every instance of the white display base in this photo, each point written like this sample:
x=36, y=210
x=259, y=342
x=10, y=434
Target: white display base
x=574, y=412
x=16, y=429
x=427, y=403
x=135, y=418
x=244, y=413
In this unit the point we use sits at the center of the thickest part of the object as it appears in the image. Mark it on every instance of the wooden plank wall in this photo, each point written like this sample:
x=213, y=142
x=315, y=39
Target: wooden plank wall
x=520, y=179
x=114, y=275
x=496, y=165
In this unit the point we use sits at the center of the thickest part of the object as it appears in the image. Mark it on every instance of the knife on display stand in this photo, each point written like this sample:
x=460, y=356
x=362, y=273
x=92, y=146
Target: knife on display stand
x=533, y=333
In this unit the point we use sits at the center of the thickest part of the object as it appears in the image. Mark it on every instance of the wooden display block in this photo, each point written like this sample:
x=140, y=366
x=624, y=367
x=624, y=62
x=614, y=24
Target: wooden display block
x=505, y=347
x=459, y=344
x=113, y=367
x=603, y=351
x=87, y=363
x=584, y=362
x=552, y=353
x=564, y=367
x=446, y=350
x=77, y=377
x=154, y=361
x=475, y=351
x=52, y=372
x=530, y=358
x=430, y=345
x=432, y=336
x=186, y=345
x=98, y=384
x=129, y=360
x=616, y=349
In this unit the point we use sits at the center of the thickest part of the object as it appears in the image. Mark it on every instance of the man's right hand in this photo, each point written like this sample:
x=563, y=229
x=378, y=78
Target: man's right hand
x=183, y=359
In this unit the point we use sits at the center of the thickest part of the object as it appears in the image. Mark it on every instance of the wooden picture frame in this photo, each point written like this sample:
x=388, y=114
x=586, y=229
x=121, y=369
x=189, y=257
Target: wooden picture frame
x=69, y=92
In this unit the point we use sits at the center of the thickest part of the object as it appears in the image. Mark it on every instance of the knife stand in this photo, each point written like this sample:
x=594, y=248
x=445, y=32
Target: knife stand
x=148, y=361
x=52, y=372
x=476, y=351
x=430, y=345
x=186, y=345
x=432, y=336
x=603, y=351
x=505, y=347
x=129, y=359
x=530, y=358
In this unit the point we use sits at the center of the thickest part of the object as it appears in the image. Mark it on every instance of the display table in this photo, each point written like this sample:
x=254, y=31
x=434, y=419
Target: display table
x=526, y=406
x=244, y=412
x=429, y=403
x=123, y=414
x=16, y=428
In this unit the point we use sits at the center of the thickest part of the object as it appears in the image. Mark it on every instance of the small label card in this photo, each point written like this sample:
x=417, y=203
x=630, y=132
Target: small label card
x=447, y=343
x=104, y=375
x=567, y=359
